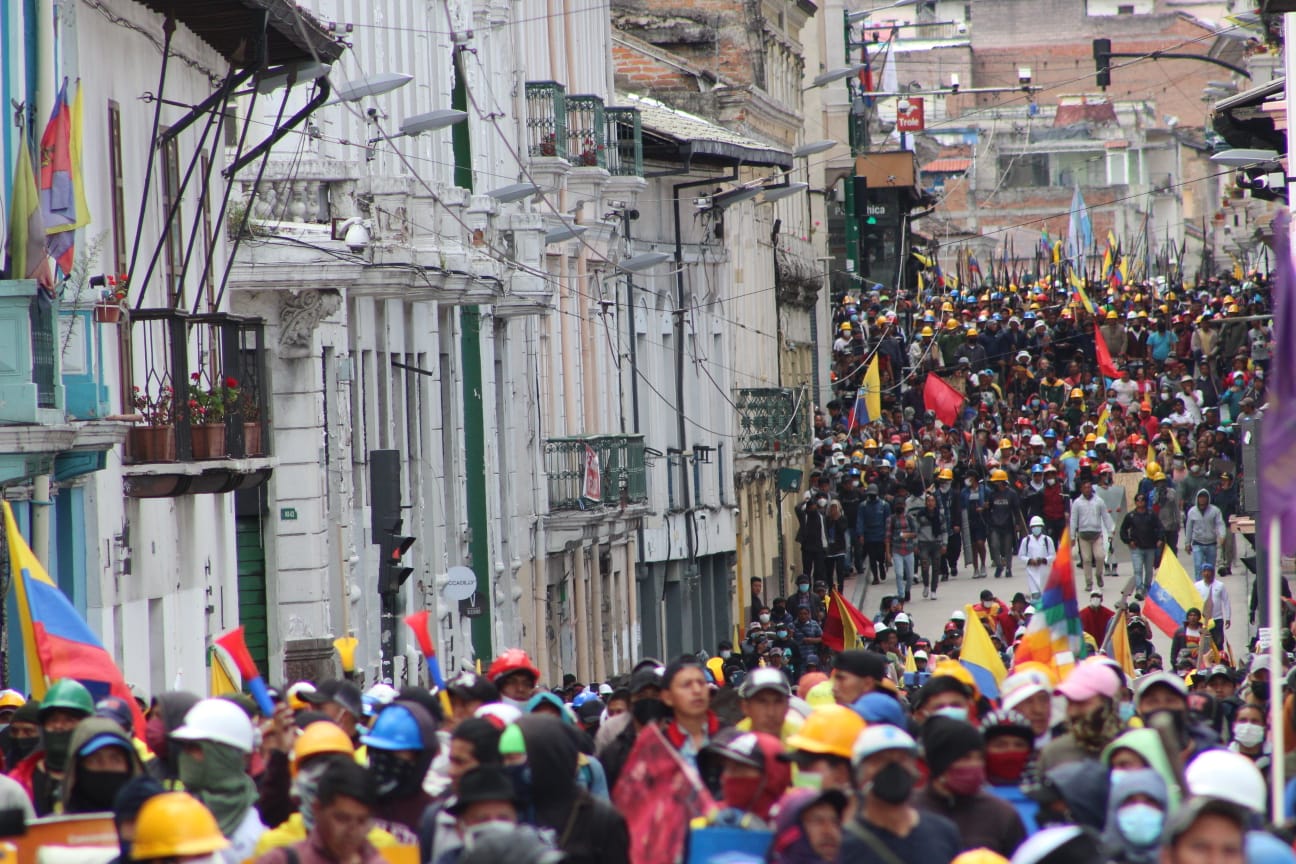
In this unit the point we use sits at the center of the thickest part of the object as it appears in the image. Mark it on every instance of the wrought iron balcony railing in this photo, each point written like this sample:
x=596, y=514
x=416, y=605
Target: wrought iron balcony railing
x=31, y=387
x=772, y=419
x=610, y=467
x=586, y=132
x=546, y=122
x=624, y=142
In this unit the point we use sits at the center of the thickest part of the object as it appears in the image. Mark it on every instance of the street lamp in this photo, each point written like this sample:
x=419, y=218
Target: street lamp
x=371, y=85
x=643, y=261
x=777, y=193
x=1241, y=157
x=566, y=232
x=813, y=148
x=432, y=120
x=514, y=192
x=836, y=75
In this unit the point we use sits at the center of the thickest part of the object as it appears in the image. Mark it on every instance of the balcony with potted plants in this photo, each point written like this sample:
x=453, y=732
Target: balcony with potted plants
x=42, y=430
x=200, y=406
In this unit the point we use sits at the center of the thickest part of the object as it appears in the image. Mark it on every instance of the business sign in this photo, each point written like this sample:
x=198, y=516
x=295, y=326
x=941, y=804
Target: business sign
x=910, y=119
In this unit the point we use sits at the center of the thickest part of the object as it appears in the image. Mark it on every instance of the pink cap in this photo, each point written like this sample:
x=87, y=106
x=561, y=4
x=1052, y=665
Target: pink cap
x=1088, y=680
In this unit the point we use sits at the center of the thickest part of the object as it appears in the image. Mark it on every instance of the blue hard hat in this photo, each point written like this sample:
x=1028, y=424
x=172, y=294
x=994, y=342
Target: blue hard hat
x=582, y=698
x=395, y=729
x=880, y=708
x=1049, y=433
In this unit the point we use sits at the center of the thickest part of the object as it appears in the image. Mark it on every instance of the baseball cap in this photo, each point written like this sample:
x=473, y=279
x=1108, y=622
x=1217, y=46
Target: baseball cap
x=645, y=678
x=1147, y=682
x=1088, y=680
x=1019, y=687
x=344, y=693
x=764, y=679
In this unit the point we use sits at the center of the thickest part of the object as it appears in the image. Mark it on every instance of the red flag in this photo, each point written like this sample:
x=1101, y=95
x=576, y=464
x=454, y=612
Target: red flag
x=943, y=399
x=1105, y=364
x=660, y=795
x=845, y=624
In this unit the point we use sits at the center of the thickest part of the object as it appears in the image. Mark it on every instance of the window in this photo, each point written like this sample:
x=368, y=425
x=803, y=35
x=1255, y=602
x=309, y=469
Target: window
x=173, y=230
x=1024, y=170
x=117, y=189
x=1125, y=10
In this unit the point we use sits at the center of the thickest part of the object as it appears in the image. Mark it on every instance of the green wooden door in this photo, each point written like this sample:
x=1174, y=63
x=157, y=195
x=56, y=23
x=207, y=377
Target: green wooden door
x=252, y=589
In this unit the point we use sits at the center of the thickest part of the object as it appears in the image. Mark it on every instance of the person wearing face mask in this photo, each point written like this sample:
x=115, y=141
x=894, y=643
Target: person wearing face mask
x=216, y=743
x=515, y=676
x=955, y=755
x=402, y=744
x=485, y=797
x=1095, y=617
x=344, y=805
x=870, y=534
x=22, y=734
x=943, y=696
x=646, y=708
x=1136, y=812
x=1251, y=736
x=753, y=775
x=10, y=702
x=1009, y=747
x=887, y=827
x=66, y=704
x=175, y=828
x=102, y=762
x=1037, y=552
x=164, y=716
x=1093, y=720
x=320, y=745
x=950, y=502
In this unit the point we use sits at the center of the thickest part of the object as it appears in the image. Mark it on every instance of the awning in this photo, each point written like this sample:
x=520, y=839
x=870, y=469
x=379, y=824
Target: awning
x=697, y=138
x=946, y=166
x=1254, y=96
x=1242, y=121
x=292, y=34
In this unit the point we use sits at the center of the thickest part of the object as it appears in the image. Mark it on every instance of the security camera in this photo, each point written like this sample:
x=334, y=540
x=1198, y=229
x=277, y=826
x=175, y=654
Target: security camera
x=355, y=233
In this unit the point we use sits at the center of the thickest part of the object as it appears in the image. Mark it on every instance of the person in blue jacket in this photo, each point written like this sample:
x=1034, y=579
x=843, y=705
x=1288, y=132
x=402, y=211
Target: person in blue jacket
x=870, y=532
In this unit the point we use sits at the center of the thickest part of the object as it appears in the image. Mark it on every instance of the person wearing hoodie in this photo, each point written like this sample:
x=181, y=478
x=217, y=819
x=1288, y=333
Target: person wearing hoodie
x=165, y=715
x=1138, y=749
x=1074, y=793
x=1136, y=815
x=23, y=734
x=402, y=744
x=1010, y=746
x=103, y=760
x=66, y=703
x=1204, y=531
x=589, y=770
x=589, y=830
x=216, y=743
x=753, y=777
x=955, y=754
x=808, y=829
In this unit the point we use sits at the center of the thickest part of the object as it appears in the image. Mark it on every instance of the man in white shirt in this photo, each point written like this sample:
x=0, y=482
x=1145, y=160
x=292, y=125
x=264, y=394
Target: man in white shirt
x=1127, y=390
x=1091, y=524
x=1215, y=603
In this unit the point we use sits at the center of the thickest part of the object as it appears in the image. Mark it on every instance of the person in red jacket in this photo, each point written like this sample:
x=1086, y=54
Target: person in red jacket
x=1095, y=617
x=1056, y=507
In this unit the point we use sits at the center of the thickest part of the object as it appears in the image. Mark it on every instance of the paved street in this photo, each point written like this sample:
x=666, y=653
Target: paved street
x=930, y=615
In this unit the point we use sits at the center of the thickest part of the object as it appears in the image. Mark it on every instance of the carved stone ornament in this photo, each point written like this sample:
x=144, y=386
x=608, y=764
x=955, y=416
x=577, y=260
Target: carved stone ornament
x=300, y=314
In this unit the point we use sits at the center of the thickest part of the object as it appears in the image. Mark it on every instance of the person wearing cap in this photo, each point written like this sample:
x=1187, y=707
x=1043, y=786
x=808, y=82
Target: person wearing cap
x=1215, y=597
x=1029, y=693
x=215, y=743
x=764, y=698
x=342, y=702
x=67, y=702
x=1258, y=689
x=1222, y=684
x=619, y=734
x=887, y=827
x=484, y=795
x=753, y=775
x=1204, y=532
x=1205, y=830
x=344, y=807
x=954, y=752
x=468, y=691
x=856, y=672
x=22, y=735
x=1093, y=720
x=102, y=761
x=943, y=696
x=808, y=827
x=1009, y=749
x=1161, y=700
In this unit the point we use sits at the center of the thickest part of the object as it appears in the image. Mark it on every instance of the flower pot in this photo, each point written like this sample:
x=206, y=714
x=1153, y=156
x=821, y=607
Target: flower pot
x=207, y=441
x=150, y=444
x=252, y=440
x=107, y=313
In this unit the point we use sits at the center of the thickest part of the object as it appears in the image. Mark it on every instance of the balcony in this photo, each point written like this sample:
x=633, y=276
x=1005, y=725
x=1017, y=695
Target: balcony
x=624, y=142
x=610, y=467
x=586, y=132
x=546, y=120
x=772, y=420
x=202, y=403
x=31, y=389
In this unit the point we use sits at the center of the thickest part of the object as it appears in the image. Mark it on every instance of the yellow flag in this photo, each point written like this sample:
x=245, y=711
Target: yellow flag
x=221, y=682
x=1101, y=430
x=872, y=390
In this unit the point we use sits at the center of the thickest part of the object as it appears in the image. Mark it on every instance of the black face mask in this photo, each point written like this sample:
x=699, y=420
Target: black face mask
x=395, y=777
x=1260, y=690
x=892, y=784
x=56, y=749
x=647, y=711
x=24, y=747
x=98, y=789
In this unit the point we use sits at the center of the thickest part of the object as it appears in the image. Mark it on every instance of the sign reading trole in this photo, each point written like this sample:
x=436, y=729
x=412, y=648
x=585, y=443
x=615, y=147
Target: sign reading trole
x=909, y=117
x=461, y=583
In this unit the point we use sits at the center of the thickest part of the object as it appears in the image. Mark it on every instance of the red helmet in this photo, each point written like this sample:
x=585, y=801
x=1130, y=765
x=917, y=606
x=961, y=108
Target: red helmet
x=1084, y=462
x=512, y=660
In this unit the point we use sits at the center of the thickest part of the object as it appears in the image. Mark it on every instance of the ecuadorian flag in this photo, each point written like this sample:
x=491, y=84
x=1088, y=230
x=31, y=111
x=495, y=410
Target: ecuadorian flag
x=1171, y=595
x=57, y=642
x=978, y=656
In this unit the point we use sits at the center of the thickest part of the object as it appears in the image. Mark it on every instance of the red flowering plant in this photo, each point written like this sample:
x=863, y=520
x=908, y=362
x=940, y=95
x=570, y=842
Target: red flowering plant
x=209, y=400
x=155, y=409
x=118, y=288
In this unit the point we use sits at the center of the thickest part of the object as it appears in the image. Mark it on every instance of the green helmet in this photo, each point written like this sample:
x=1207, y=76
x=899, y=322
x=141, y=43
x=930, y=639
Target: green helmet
x=69, y=694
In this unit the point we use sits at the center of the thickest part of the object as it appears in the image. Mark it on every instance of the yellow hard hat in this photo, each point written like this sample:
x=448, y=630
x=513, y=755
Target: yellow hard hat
x=998, y=475
x=958, y=671
x=947, y=306
x=820, y=695
x=319, y=737
x=858, y=454
x=945, y=474
x=830, y=729
x=1157, y=477
x=11, y=699
x=870, y=443
x=881, y=320
x=1077, y=393
x=926, y=331
x=951, y=323
x=175, y=825
x=1090, y=438
x=980, y=856
x=846, y=325
x=1111, y=315
x=971, y=331
x=1005, y=444
x=907, y=447
x=1153, y=468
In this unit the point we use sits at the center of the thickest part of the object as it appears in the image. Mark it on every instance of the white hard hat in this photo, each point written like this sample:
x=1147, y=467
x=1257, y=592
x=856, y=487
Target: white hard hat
x=901, y=618
x=1036, y=441
x=1101, y=439
x=1037, y=521
x=501, y=711
x=218, y=720
x=958, y=615
x=879, y=737
x=1229, y=776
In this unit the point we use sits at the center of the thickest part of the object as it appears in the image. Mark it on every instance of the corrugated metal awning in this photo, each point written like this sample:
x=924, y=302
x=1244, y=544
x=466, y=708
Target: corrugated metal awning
x=946, y=166
x=227, y=25
x=697, y=137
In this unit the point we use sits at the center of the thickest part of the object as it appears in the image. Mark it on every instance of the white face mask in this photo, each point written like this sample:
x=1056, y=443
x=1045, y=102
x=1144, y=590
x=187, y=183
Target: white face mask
x=764, y=618
x=1248, y=734
x=1095, y=602
x=1049, y=481
x=944, y=487
x=1037, y=530
x=725, y=655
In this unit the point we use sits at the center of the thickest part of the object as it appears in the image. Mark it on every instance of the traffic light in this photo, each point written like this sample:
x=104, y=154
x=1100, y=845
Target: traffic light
x=392, y=573
x=1102, y=61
